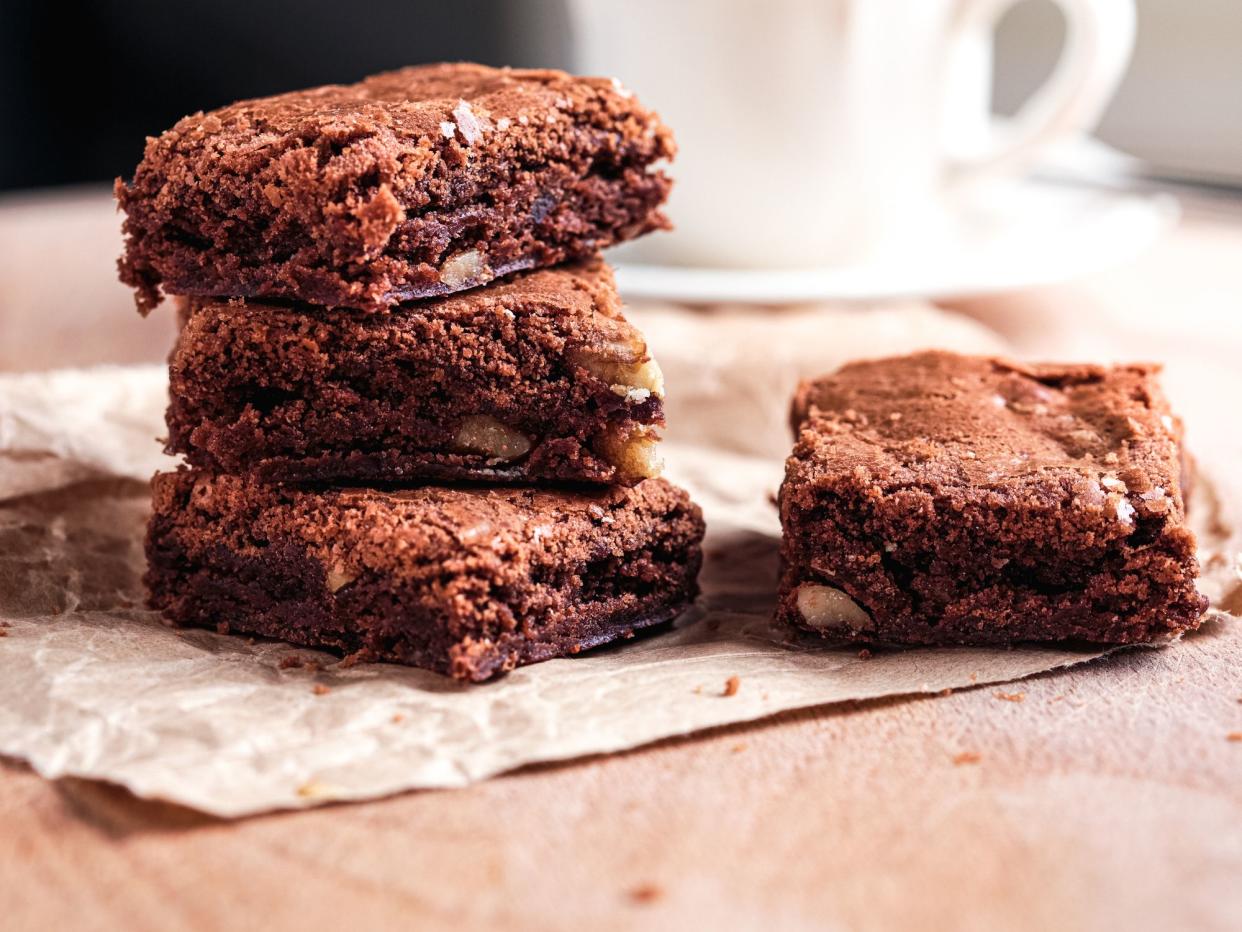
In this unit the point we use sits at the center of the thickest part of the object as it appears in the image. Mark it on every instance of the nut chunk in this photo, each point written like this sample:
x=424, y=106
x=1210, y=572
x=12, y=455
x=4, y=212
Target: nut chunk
x=466, y=581
x=411, y=184
x=538, y=377
x=944, y=499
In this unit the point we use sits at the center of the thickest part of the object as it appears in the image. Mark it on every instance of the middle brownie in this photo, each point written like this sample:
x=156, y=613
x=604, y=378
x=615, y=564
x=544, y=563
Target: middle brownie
x=538, y=377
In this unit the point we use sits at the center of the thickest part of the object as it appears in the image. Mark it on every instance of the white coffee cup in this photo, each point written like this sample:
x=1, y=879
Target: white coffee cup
x=813, y=133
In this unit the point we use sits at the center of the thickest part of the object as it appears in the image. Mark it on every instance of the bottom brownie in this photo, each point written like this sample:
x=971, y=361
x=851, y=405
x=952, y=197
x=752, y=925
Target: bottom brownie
x=465, y=581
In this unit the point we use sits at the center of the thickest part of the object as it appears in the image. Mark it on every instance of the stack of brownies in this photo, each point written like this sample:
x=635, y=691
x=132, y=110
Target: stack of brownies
x=419, y=427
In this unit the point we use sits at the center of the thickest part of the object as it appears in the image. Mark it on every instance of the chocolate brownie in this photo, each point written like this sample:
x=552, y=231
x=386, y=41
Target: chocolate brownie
x=945, y=499
x=409, y=184
x=536, y=378
x=465, y=581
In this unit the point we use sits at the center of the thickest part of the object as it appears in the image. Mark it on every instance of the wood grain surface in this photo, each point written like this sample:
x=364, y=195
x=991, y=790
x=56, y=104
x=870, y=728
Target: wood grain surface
x=1107, y=796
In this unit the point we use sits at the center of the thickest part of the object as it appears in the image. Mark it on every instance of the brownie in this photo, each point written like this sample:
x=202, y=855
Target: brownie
x=945, y=499
x=409, y=184
x=539, y=377
x=461, y=580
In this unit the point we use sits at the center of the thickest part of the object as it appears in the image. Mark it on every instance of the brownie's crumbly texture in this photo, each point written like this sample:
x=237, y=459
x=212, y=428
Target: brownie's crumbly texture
x=465, y=581
x=410, y=184
x=536, y=378
x=944, y=499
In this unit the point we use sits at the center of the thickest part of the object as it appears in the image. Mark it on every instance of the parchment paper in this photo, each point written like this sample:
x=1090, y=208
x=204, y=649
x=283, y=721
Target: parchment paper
x=92, y=685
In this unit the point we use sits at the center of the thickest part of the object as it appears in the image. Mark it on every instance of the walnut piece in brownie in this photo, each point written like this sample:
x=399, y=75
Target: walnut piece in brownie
x=409, y=184
x=945, y=499
x=539, y=377
x=465, y=581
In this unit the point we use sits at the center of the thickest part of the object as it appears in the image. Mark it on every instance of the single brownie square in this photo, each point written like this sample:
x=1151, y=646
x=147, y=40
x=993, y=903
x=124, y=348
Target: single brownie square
x=538, y=377
x=409, y=184
x=465, y=581
x=945, y=499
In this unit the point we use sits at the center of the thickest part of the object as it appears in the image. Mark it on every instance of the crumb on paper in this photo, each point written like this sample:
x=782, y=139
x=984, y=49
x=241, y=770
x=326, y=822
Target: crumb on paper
x=698, y=690
x=397, y=718
x=3, y=633
x=1011, y=697
x=946, y=692
x=974, y=677
x=732, y=685
x=647, y=893
x=864, y=654
x=1234, y=736
x=222, y=627
x=739, y=747
x=967, y=757
x=313, y=789
x=319, y=689
x=297, y=662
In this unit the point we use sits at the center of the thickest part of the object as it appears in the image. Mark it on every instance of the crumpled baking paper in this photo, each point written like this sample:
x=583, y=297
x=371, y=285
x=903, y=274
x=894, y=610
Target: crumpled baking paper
x=93, y=685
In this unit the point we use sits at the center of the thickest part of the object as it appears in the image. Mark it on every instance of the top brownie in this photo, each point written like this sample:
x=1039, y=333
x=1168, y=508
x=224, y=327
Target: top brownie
x=409, y=184
x=941, y=499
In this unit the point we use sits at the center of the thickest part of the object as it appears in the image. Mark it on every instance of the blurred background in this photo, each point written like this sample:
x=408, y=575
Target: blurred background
x=83, y=82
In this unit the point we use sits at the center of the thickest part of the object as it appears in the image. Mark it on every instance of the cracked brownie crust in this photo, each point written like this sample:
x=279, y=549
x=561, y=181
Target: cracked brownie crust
x=465, y=581
x=535, y=378
x=944, y=499
x=409, y=184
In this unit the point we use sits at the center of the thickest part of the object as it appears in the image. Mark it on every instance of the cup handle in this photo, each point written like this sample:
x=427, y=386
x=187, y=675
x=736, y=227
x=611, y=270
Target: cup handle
x=1099, y=39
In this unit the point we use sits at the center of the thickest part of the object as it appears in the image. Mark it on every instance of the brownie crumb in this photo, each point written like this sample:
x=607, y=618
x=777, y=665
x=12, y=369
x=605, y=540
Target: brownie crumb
x=946, y=692
x=319, y=689
x=3, y=633
x=313, y=789
x=1011, y=697
x=292, y=662
x=739, y=747
x=731, y=686
x=1234, y=736
x=967, y=757
x=397, y=718
x=864, y=654
x=647, y=893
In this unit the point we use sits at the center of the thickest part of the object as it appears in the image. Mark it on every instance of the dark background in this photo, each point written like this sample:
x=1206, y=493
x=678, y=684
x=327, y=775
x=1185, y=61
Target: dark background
x=82, y=83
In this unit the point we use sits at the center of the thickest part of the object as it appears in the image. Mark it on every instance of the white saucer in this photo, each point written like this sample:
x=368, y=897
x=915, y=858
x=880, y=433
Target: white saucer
x=1024, y=234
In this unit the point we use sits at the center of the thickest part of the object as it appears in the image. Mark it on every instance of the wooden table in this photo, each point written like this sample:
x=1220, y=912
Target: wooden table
x=1109, y=795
